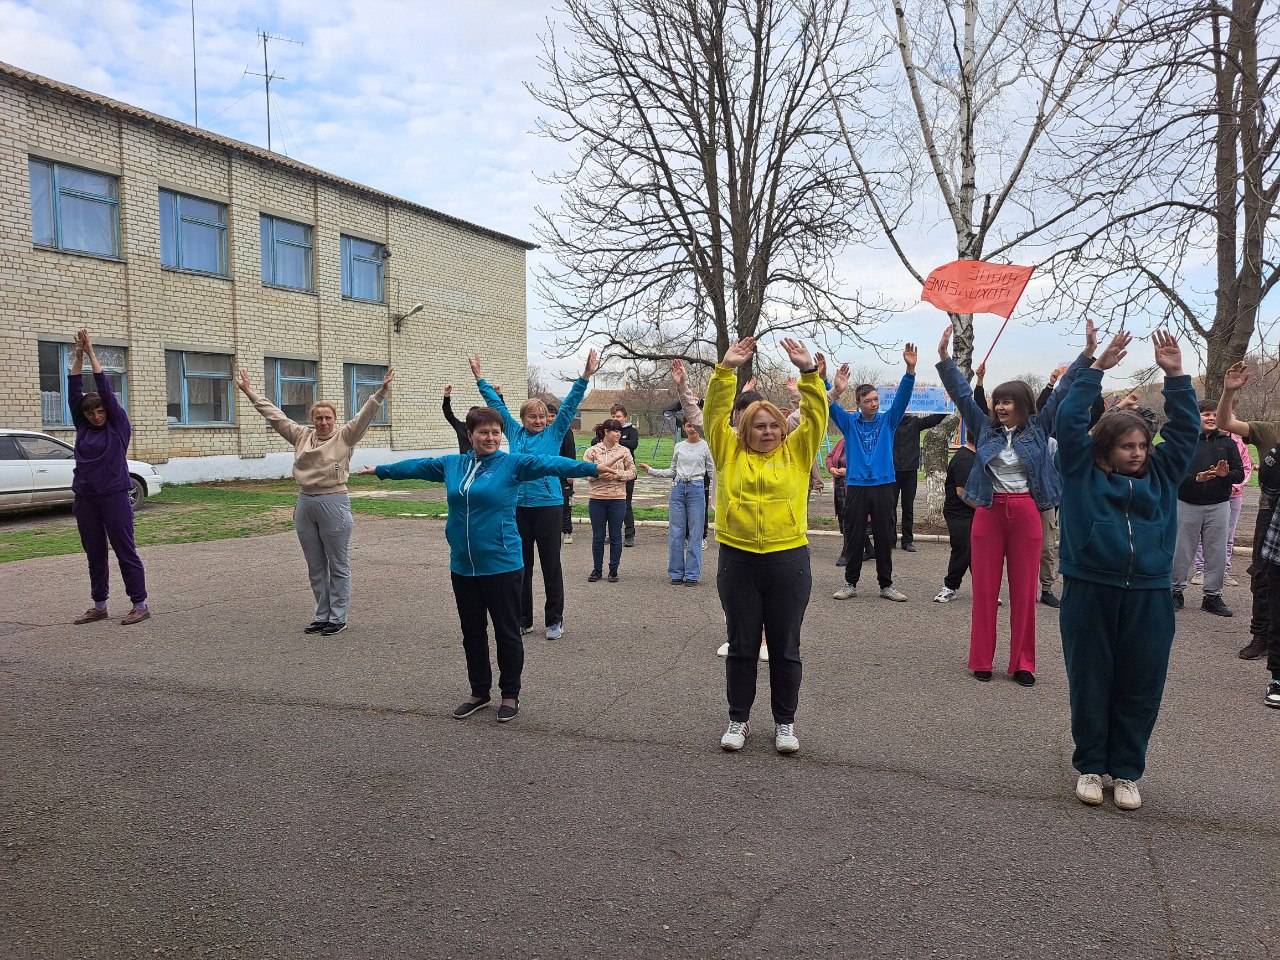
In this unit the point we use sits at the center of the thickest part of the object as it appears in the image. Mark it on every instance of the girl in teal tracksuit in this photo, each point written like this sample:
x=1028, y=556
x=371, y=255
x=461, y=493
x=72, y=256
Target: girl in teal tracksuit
x=1118, y=528
x=485, y=557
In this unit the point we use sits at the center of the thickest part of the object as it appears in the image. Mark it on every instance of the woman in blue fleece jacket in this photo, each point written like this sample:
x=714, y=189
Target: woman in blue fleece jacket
x=1118, y=527
x=486, y=563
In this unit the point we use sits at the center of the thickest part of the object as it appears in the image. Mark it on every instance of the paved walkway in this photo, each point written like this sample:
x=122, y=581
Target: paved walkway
x=213, y=783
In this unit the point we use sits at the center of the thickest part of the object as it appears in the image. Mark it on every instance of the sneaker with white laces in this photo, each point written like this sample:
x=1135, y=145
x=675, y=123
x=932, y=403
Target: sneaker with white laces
x=945, y=595
x=1089, y=789
x=724, y=650
x=845, y=592
x=785, y=739
x=764, y=652
x=736, y=736
x=893, y=593
x=555, y=631
x=566, y=538
x=1197, y=577
x=1125, y=793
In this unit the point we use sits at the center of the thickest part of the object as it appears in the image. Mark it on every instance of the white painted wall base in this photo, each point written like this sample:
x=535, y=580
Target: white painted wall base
x=274, y=465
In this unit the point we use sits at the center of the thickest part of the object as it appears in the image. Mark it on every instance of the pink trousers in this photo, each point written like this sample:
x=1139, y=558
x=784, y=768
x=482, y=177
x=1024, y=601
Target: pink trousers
x=1009, y=530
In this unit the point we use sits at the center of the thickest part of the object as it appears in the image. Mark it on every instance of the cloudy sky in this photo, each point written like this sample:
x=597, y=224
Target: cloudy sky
x=424, y=99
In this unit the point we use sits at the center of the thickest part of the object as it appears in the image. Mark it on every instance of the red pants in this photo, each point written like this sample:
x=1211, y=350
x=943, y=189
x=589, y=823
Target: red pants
x=1008, y=529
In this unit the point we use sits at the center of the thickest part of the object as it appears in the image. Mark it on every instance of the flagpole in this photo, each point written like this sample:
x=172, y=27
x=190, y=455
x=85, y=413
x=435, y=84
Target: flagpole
x=995, y=341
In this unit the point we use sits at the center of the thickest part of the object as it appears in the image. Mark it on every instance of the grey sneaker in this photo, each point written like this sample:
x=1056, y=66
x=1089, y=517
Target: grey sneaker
x=845, y=592
x=945, y=595
x=785, y=739
x=555, y=631
x=1197, y=577
x=1125, y=794
x=893, y=593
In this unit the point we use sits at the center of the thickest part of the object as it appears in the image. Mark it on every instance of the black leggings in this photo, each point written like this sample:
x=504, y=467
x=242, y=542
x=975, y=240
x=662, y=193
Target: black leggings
x=763, y=593
x=541, y=526
x=958, y=529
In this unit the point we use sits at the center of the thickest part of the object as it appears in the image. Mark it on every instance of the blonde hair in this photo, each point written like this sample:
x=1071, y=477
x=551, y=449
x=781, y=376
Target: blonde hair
x=323, y=403
x=529, y=406
x=749, y=414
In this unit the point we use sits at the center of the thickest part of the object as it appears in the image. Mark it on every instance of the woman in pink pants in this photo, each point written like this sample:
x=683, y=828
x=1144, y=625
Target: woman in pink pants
x=1013, y=479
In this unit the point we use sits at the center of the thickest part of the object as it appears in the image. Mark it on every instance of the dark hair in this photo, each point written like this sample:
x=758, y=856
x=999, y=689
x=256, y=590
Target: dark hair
x=1206, y=405
x=90, y=401
x=1024, y=403
x=1113, y=425
x=478, y=417
x=610, y=424
x=616, y=407
x=746, y=399
x=862, y=390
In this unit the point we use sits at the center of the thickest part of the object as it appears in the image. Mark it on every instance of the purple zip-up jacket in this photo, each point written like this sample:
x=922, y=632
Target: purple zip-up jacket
x=101, y=454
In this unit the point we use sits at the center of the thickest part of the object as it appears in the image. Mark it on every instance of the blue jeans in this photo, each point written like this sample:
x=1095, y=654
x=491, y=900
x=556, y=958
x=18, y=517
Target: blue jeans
x=606, y=513
x=687, y=513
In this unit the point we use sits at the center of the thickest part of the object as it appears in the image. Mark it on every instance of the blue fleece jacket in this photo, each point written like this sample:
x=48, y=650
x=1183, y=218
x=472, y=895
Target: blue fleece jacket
x=1116, y=530
x=868, y=444
x=482, y=491
x=545, y=491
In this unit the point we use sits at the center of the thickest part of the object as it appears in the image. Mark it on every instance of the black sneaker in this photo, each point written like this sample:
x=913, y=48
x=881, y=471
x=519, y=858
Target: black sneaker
x=330, y=629
x=983, y=675
x=1273, y=694
x=843, y=560
x=507, y=714
x=613, y=576
x=465, y=710
x=675, y=582
x=629, y=540
x=1256, y=649
x=315, y=626
x=1049, y=600
x=595, y=575
x=1177, y=599
x=1025, y=678
x=1213, y=603
x=909, y=547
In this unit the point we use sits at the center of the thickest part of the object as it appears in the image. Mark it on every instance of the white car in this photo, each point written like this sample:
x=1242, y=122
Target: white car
x=36, y=470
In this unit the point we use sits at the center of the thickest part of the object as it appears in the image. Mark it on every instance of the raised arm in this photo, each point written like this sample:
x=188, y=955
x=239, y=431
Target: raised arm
x=902, y=399
x=1237, y=376
x=1047, y=416
x=806, y=439
x=110, y=402
x=719, y=403
x=688, y=402
x=1181, y=431
x=354, y=428
x=280, y=423
x=446, y=407
x=957, y=387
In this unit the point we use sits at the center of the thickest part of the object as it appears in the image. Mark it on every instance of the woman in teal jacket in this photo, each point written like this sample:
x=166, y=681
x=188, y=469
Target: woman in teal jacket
x=1118, y=527
x=485, y=561
x=540, y=503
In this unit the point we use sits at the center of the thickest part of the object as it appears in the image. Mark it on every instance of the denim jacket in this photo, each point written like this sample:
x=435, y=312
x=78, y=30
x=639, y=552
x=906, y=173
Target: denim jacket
x=1031, y=441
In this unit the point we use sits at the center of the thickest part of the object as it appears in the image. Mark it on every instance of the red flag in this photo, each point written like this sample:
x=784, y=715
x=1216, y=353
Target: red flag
x=975, y=286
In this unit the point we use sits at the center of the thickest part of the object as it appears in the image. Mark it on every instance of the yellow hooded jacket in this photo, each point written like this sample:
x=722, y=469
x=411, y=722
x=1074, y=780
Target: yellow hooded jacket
x=762, y=500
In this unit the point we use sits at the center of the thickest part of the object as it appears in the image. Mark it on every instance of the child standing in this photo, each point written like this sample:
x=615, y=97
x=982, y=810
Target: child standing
x=959, y=516
x=607, y=505
x=1118, y=520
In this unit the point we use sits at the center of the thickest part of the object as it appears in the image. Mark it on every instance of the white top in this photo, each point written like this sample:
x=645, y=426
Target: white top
x=689, y=461
x=1008, y=475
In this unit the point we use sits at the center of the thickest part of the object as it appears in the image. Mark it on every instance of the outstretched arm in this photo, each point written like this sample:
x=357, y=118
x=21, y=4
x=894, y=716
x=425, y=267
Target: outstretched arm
x=280, y=423
x=354, y=428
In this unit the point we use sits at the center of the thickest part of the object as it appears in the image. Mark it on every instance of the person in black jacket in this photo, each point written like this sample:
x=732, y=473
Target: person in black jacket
x=630, y=440
x=460, y=428
x=959, y=516
x=569, y=450
x=1204, y=511
x=906, y=468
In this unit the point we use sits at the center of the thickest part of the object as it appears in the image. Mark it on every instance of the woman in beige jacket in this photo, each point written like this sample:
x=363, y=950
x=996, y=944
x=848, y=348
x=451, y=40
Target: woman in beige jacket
x=322, y=517
x=608, y=504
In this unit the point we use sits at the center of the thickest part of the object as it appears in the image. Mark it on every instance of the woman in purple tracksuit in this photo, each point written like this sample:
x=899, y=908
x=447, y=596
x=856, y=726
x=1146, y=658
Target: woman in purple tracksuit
x=101, y=486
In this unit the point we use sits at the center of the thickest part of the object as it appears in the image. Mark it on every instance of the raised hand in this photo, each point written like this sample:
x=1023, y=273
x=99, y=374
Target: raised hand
x=981, y=372
x=739, y=352
x=793, y=386
x=821, y=360
x=1238, y=374
x=944, y=345
x=592, y=365
x=1090, y=339
x=448, y=389
x=386, y=381
x=242, y=381
x=474, y=364
x=644, y=466
x=1116, y=351
x=1127, y=403
x=798, y=353
x=749, y=385
x=1056, y=373
x=678, y=375
x=841, y=382
x=367, y=472
x=1168, y=353
x=910, y=356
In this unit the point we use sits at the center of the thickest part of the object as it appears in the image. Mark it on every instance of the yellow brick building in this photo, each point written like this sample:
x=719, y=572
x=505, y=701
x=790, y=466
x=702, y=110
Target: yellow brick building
x=189, y=254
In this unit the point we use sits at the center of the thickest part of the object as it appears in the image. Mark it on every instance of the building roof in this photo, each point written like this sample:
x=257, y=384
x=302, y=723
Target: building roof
x=28, y=78
x=603, y=399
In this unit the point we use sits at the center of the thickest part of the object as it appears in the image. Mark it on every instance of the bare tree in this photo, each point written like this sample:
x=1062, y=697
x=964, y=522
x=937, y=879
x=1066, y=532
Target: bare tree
x=539, y=386
x=708, y=196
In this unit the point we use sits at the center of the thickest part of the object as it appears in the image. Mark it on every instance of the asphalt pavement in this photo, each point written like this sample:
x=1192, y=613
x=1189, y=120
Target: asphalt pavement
x=213, y=783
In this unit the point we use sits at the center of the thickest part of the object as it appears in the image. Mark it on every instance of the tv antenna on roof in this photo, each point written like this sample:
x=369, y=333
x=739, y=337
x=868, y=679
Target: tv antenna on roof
x=266, y=73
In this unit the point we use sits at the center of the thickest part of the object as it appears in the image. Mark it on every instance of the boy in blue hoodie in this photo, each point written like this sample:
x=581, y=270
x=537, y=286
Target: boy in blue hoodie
x=486, y=563
x=1118, y=523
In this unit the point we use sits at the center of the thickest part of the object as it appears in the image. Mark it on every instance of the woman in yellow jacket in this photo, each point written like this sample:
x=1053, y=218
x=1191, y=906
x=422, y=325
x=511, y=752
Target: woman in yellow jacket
x=762, y=499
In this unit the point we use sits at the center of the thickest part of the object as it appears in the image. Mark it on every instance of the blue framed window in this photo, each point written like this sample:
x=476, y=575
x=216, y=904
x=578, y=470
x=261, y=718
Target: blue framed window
x=287, y=254
x=362, y=381
x=74, y=209
x=291, y=386
x=198, y=388
x=362, y=269
x=193, y=233
x=55, y=364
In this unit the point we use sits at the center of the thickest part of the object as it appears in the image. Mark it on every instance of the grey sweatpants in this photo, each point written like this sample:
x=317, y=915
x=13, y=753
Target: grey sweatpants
x=1048, y=549
x=323, y=523
x=1212, y=524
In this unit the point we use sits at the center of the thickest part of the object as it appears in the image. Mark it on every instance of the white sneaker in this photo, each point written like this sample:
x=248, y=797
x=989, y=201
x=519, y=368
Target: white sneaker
x=764, y=652
x=1089, y=789
x=1125, y=793
x=893, y=593
x=785, y=739
x=945, y=595
x=555, y=631
x=845, y=592
x=566, y=538
x=736, y=736
x=724, y=650
x=1231, y=582
x=1197, y=577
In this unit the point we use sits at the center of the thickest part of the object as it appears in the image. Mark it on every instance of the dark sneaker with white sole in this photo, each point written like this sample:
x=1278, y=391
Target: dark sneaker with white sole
x=332, y=629
x=315, y=626
x=1273, y=694
x=465, y=710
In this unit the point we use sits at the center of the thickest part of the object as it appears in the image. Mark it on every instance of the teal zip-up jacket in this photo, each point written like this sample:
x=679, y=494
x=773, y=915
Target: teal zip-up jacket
x=1116, y=530
x=481, y=528
x=543, y=492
